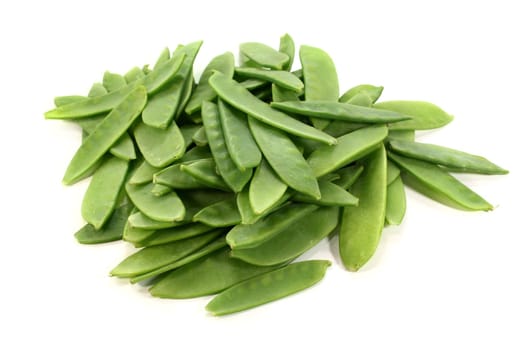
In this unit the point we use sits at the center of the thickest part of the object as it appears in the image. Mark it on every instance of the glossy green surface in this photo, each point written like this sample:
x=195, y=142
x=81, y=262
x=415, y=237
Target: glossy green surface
x=266, y=188
x=264, y=55
x=373, y=92
x=395, y=202
x=287, y=46
x=220, y=214
x=281, y=78
x=331, y=195
x=113, y=81
x=111, y=231
x=164, y=208
x=424, y=115
x=160, y=147
x=205, y=172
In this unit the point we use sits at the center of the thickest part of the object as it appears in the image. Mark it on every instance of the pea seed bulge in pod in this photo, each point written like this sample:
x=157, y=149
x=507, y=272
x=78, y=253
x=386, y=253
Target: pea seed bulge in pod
x=188, y=175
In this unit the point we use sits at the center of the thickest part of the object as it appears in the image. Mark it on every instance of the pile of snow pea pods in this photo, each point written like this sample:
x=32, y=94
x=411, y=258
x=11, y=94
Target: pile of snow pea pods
x=224, y=182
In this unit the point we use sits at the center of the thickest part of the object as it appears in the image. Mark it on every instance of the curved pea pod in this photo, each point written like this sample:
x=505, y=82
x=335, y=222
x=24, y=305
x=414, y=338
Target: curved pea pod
x=392, y=172
x=220, y=214
x=320, y=78
x=293, y=240
x=263, y=55
x=113, y=81
x=266, y=188
x=424, y=115
x=287, y=46
x=240, y=98
x=406, y=135
x=241, y=146
x=395, y=202
x=348, y=176
x=103, y=191
x=350, y=147
x=160, y=147
x=141, y=221
x=281, y=78
x=439, y=185
x=223, y=63
x=151, y=258
x=65, y=100
x=165, y=208
x=134, y=74
x=202, y=252
x=111, y=231
x=445, y=156
x=361, y=226
x=331, y=195
x=268, y=287
x=235, y=179
x=105, y=135
x=210, y=275
x=340, y=111
x=204, y=171
x=374, y=92
x=105, y=103
x=178, y=233
x=338, y=128
x=248, y=236
x=143, y=174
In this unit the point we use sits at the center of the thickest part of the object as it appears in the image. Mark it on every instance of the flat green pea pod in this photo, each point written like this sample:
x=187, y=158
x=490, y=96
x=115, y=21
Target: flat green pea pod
x=266, y=188
x=220, y=214
x=280, y=94
x=331, y=195
x=205, y=172
x=374, y=92
x=105, y=103
x=178, y=233
x=133, y=75
x=160, y=147
x=248, y=216
x=320, y=78
x=143, y=174
x=392, y=172
x=338, y=128
x=163, y=57
x=251, y=84
x=263, y=55
x=187, y=131
x=348, y=176
x=141, y=221
x=241, y=146
x=406, y=135
x=233, y=176
x=447, y=157
x=240, y=98
x=103, y=191
x=284, y=158
x=215, y=245
x=113, y=81
x=207, y=276
x=196, y=200
x=281, y=78
x=268, y=287
x=97, y=89
x=204, y=92
x=163, y=107
x=293, y=240
x=65, y=100
x=165, y=208
x=135, y=235
x=287, y=46
x=105, y=135
x=340, y=111
x=111, y=231
x=174, y=177
x=248, y=236
x=435, y=183
x=395, y=202
x=200, y=138
x=151, y=258
x=424, y=115
x=361, y=226
x=350, y=147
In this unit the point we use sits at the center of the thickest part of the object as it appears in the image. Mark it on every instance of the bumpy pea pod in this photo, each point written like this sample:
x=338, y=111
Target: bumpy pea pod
x=451, y=158
x=210, y=275
x=293, y=240
x=111, y=231
x=284, y=158
x=106, y=134
x=248, y=236
x=242, y=148
x=103, y=191
x=151, y=258
x=320, y=78
x=263, y=55
x=268, y=287
x=235, y=178
x=424, y=115
x=439, y=185
x=361, y=226
x=238, y=97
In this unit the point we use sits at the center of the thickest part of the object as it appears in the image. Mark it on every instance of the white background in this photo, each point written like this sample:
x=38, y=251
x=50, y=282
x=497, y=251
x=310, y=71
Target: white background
x=444, y=279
